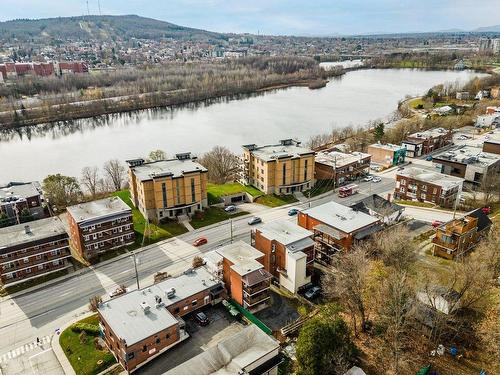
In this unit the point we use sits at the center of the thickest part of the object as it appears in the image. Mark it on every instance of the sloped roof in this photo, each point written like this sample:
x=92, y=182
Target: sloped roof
x=483, y=221
x=378, y=204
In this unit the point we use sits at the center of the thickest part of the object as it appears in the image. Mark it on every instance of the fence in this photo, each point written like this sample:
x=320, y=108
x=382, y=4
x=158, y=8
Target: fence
x=251, y=317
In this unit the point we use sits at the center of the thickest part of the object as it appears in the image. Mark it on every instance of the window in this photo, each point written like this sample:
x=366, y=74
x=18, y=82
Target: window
x=164, y=194
x=40, y=267
x=422, y=196
x=402, y=189
x=158, y=340
x=284, y=173
x=55, y=262
x=145, y=348
x=403, y=182
x=305, y=170
x=194, y=302
x=176, y=310
x=26, y=260
x=27, y=270
x=193, y=191
x=167, y=336
x=424, y=187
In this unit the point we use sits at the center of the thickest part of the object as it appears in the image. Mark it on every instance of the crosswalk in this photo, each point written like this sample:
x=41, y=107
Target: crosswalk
x=14, y=353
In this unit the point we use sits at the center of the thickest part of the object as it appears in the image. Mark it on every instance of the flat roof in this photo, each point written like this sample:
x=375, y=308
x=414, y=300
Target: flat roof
x=98, y=209
x=172, y=167
x=467, y=154
x=38, y=230
x=430, y=133
x=243, y=256
x=340, y=217
x=339, y=159
x=285, y=232
x=279, y=151
x=128, y=319
x=387, y=146
x=21, y=190
x=443, y=180
x=230, y=356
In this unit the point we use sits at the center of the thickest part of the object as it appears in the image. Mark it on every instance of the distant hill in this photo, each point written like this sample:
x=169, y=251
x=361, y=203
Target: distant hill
x=99, y=28
x=488, y=29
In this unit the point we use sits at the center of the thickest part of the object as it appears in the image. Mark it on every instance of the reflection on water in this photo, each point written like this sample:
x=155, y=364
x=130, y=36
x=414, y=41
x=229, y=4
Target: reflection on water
x=350, y=100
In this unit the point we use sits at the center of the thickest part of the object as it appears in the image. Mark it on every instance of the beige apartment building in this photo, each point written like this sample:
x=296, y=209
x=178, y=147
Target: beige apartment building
x=278, y=169
x=168, y=188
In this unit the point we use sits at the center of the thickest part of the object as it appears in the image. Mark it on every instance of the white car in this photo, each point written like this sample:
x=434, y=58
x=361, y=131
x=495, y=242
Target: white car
x=376, y=179
x=368, y=178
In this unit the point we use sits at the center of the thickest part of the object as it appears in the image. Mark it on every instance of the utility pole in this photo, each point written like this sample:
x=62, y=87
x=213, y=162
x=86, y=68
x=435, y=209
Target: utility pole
x=135, y=267
x=99, y=6
x=88, y=9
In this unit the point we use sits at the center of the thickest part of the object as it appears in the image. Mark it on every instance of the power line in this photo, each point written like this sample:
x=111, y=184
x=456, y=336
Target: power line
x=88, y=9
x=99, y=6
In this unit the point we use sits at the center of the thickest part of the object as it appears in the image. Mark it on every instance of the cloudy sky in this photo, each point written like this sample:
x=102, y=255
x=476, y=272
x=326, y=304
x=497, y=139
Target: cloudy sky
x=298, y=17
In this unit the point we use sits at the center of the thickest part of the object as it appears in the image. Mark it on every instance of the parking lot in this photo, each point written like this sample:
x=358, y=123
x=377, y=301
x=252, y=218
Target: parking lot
x=201, y=338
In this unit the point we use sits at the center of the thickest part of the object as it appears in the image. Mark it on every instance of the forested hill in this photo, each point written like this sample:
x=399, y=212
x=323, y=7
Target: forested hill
x=99, y=28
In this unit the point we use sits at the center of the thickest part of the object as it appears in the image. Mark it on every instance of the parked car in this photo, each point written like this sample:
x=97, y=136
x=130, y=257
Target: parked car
x=118, y=291
x=368, y=178
x=200, y=241
x=375, y=167
x=312, y=292
x=230, y=208
x=293, y=211
x=429, y=158
x=376, y=179
x=202, y=319
x=254, y=220
x=437, y=223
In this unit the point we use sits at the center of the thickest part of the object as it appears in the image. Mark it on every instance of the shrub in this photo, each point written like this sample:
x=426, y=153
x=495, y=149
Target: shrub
x=90, y=329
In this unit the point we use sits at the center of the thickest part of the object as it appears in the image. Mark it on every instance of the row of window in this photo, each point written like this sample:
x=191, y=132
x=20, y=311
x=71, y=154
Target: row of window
x=98, y=245
x=101, y=234
x=27, y=260
x=114, y=222
x=18, y=254
x=40, y=267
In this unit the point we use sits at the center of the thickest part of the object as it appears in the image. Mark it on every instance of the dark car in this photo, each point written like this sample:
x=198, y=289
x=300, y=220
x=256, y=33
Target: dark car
x=254, y=220
x=200, y=241
x=312, y=292
x=428, y=158
x=201, y=319
x=293, y=211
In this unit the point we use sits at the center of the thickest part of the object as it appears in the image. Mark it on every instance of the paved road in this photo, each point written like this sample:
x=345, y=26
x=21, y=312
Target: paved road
x=41, y=312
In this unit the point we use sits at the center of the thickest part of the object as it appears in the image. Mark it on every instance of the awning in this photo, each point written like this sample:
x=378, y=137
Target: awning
x=323, y=228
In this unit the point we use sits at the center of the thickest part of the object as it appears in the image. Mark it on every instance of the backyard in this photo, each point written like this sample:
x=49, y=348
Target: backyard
x=81, y=350
x=215, y=192
x=155, y=232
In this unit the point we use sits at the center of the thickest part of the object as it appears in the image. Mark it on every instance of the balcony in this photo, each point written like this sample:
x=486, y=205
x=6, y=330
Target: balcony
x=251, y=301
x=20, y=264
x=448, y=245
x=107, y=236
x=20, y=254
x=254, y=289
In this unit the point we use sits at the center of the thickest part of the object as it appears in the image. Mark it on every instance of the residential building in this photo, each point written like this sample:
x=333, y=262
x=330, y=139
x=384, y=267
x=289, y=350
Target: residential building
x=386, y=211
x=278, y=169
x=341, y=167
x=99, y=226
x=288, y=252
x=463, y=95
x=387, y=154
x=17, y=197
x=214, y=263
x=425, y=142
x=422, y=185
x=244, y=275
x=336, y=228
x=492, y=146
x=469, y=162
x=165, y=189
x=488, y=121
x=140, y=325
x=249, y=351
x=459, y=236
x=42, y=69
x=28, y=251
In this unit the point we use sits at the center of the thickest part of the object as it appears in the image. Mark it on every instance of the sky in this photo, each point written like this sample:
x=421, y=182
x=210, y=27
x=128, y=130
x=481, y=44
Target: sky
x=282, y=17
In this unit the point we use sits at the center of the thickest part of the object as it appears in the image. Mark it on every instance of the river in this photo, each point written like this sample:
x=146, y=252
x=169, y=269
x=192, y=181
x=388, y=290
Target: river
x=353, y=99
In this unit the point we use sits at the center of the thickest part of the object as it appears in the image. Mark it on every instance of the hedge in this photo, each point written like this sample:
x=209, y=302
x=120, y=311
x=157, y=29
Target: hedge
x=90, y=329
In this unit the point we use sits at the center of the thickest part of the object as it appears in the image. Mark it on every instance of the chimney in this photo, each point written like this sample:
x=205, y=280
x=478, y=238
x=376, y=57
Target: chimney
x=27, y=229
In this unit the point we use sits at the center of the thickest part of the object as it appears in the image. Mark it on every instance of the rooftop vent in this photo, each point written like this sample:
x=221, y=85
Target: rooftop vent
x=145, y=307
x=183, y=156
x=170, y=293
x=27, y=229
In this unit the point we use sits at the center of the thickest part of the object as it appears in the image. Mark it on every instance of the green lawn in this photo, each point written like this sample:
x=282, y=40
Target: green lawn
x=84, y=357
x=155, y=232
x=275, y=200
x=215, y=192
x=418, y=102
x=213, y=215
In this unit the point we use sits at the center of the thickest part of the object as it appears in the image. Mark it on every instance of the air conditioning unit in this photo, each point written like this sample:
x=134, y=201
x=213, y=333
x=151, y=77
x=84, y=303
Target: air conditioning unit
x=145, y=307
x=170, y=293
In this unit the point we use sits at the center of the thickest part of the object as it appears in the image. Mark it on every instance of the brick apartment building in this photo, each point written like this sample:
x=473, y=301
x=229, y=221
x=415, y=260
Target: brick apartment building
x=100, y=226
x=471, y=163
x=341, y=167
x=422, y=185
x=244, y=275
x=336, y=228
x=425, y=142
x=28, y=251
x=17, y=198
x=288, y=252
x=278, y=169
x=12, y=70
x=387, y=155
x=459, y=236
x=140, y=325
x=166, y=189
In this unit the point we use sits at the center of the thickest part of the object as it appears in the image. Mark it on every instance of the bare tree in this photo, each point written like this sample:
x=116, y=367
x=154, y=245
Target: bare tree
x=348, y=283
x=115, y=171
x=490, y=187
x=396, y=248
x=90, y=179
x=94, y=303
x=156, y=155
x=222, y=165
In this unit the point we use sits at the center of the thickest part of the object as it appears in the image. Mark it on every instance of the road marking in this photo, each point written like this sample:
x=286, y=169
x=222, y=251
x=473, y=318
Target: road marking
x=65, y=294
x=124, y=272
x=42, y=352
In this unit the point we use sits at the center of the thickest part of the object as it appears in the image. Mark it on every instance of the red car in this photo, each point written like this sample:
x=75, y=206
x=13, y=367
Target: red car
x=486, y=210
x=200, y=241
x=437, y=223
